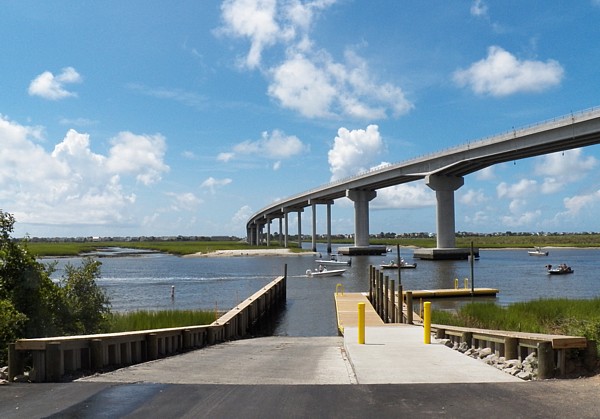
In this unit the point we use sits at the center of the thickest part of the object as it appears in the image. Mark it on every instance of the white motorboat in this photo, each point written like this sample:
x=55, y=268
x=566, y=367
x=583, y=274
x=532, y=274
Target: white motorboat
x=322, y=272
x=537, y=252
x=334, y=261
x=403, y=265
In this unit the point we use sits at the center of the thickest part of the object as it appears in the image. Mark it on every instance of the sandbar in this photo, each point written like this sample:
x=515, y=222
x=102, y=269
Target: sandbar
x=248, y=252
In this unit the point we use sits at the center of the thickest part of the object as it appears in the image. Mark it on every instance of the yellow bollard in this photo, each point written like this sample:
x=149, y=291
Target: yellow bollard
x=455, y=283
x=427, y=323
x=361, y=323
x=466, y=283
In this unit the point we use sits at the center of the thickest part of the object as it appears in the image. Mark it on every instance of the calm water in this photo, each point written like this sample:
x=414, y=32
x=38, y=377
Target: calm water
x=144, y=282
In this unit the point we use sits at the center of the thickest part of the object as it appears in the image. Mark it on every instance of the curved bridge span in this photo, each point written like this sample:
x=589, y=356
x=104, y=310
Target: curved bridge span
x=443, y=172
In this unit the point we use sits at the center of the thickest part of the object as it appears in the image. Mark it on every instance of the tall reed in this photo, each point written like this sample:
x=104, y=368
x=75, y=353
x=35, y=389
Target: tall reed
x=146, y=320
x=551, y=316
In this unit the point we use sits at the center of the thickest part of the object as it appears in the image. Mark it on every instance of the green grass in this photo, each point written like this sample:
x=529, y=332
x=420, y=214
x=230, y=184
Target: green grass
x=146, y=320
x=41, y=249
x=550, y=316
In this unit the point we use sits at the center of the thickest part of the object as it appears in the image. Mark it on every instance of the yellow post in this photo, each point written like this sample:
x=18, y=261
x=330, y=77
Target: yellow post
x=466, y=283
x=455, y=283
x=427, y=323
x=361, y=323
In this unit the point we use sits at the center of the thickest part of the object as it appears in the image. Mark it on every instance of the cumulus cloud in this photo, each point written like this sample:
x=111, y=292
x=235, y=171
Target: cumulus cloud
x=354, y=151
x=141, y=155
x=273, y=146
x=503, y=74
x=49, y=86
x=404, y=196
x=473, y=197
x=72, y=185
x=523, y=188
x=305, y=78
x=562, y=168
x=212, y=184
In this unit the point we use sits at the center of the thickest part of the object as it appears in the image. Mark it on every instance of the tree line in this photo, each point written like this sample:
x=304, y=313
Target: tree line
x=32, y=305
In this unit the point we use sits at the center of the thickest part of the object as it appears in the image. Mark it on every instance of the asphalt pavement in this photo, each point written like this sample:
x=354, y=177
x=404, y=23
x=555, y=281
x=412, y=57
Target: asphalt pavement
x=394, y=374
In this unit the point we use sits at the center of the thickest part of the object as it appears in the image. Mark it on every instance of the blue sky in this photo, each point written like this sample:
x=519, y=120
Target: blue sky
x=184, y=118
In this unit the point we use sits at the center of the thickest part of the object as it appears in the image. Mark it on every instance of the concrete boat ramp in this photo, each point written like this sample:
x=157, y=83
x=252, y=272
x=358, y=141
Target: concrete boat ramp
x=392, y=354
x=393, y=374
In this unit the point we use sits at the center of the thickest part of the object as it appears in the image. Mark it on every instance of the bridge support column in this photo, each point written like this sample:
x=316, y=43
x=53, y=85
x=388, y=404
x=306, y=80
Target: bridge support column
x=361, y=200
x=268, y=232
x=300, y=229
x=280, y=231
x=285, y=235
x=328, y=228
x=444, y=187
x=314, y=227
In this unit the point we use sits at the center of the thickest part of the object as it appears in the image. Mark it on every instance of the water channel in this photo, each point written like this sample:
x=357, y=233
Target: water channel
x=144, y=281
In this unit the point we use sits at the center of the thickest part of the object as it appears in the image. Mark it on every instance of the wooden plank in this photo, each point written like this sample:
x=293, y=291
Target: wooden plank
x=449, y=293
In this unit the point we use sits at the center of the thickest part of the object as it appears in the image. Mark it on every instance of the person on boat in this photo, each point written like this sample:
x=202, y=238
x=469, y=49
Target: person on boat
x=321, y=268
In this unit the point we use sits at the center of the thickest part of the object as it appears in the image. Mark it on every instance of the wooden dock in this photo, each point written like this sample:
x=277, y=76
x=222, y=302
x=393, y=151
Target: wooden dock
x=346, y=306
x=457, y=292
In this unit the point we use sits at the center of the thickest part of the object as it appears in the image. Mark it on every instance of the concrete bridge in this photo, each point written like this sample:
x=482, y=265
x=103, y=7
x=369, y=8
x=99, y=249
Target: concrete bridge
x=443, y=171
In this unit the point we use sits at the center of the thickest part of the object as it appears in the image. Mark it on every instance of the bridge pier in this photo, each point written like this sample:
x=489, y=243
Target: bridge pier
x=361, y=198
x=444, y=187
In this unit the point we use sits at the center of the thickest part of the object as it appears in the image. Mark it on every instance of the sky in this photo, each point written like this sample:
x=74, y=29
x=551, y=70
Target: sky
x=160, y=118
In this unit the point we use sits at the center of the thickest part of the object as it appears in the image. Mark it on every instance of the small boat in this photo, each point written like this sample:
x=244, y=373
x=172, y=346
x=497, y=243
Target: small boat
x=322, y=271
x=333, y=261
x=562, y=269
x=537, y=252
x=393, y=265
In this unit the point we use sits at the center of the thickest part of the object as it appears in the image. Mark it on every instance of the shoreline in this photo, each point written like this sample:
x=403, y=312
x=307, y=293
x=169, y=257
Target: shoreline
x=247, y=252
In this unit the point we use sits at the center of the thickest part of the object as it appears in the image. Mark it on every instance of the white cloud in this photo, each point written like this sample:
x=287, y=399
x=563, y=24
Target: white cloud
x=479, y=8
x=473, y=197
x=49, y=86
x=186, y=201
x=480, y=218
x=307, y=79
x=519, y=220
x=212, y=184
x=141, y=155
x=404, y=196
x=569, y=165
x=502, y=74
x=354, y=151
x=71, y=185
x=274, y=146
x=523, y=188
x=241, y=216
x=486, y=173
x=225, y=157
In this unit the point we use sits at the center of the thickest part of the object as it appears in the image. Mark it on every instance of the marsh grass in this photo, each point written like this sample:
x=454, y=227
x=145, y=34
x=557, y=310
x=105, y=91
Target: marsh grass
x=147, y=320
x=551, y=316
x=42, y=249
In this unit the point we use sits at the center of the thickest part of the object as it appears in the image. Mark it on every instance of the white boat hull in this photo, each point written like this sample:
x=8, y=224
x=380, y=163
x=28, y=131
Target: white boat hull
x=325, y=273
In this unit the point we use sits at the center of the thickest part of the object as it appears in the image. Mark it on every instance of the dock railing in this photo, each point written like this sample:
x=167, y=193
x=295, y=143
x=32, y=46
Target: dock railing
x=396, y=306
x=55, y=357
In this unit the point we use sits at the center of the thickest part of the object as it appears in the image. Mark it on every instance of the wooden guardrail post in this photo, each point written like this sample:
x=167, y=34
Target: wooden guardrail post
x=152, y=346
x=16, y=366
x=96, y=354
x=54, y=362
x=400, y=304
x=386, y=299
x=409, y=307
x=511, y=348
x=393, y=300
x=545, y=360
